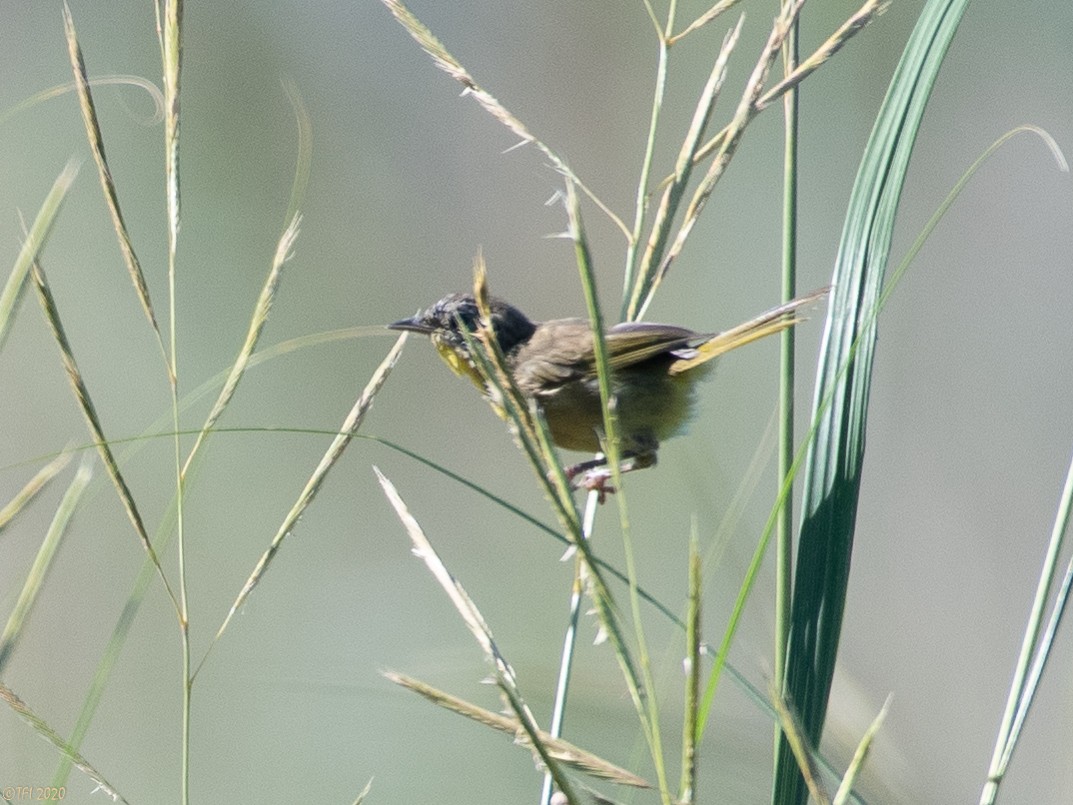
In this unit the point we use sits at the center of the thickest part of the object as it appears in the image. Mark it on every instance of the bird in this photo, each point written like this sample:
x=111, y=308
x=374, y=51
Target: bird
x=654, y=368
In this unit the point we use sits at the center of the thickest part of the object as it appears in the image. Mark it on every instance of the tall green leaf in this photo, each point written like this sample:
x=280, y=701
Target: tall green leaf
x=835, y=459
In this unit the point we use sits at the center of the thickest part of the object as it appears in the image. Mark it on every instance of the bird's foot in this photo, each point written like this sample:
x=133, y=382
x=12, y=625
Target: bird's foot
x=592, y=475
x=595, y=475
x=594, y=480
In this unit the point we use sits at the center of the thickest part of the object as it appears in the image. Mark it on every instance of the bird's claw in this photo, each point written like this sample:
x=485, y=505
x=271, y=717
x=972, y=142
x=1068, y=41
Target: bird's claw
x=596, y=481
x=593, y=479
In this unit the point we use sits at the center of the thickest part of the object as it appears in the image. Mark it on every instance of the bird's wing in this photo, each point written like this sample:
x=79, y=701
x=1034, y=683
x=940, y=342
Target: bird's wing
x=631, y=343
x=561, y=351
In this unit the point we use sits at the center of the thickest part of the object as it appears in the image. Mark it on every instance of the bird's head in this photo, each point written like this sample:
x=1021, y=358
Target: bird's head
x=444, y=322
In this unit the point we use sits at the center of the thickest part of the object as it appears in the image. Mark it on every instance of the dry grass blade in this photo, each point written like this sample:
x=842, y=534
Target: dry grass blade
x=35, y=241
x=331, y=456
x=704, y=19
x=253, y=335
x=499, y=381
x=304, y=148
x=459, y=598
x=103, y=80
x=845, y=788
x=561, y=750
x=172, y=52
x=32, y=487
x=364, y=792
x=536, y=442
x=745, y=112
x=43, y=561
x=806, y=761
x=504, y=673
x=867, y=12
x=50, y=735
x=450, y=65
x=96, y=143
x=89, y=411
x=683, y=168
x=522, y=416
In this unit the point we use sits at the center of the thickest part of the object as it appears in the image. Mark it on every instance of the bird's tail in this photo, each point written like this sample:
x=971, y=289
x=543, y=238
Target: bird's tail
x=773, y=321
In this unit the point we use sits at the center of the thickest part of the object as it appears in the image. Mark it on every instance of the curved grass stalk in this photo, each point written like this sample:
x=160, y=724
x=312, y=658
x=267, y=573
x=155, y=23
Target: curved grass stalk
x=343, y=438
x=450, y=65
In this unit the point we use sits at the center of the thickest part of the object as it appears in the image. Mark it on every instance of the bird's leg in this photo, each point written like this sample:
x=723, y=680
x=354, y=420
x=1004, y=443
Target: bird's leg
x=595, y=474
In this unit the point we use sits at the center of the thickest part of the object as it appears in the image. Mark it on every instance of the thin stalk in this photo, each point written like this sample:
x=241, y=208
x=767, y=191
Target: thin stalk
x=641, y=203
x=784, y=525
x=1023, y=686
x=566, y=662
x=687, y=789
x=673, y=195
x=644, y=700
x=170, y=22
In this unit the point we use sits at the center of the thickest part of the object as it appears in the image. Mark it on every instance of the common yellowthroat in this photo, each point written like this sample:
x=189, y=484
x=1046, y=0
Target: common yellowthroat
x=654, y=368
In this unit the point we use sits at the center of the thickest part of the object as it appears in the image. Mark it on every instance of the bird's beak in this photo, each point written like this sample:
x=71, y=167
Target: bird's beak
x=414, y=324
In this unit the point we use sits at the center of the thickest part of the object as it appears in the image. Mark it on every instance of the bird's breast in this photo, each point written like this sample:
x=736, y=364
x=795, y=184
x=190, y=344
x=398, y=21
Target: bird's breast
x=650, y=406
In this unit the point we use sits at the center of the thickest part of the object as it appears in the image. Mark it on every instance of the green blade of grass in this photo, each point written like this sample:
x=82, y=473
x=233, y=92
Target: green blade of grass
x=824, y=404
x=32, y=246
x=32, y=487
x=832, y=478
x=35, y=579
x=346, y=433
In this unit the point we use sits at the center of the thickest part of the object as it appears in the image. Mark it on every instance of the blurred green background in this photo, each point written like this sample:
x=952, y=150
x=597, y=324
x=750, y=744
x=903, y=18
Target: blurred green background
x=968, y=444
